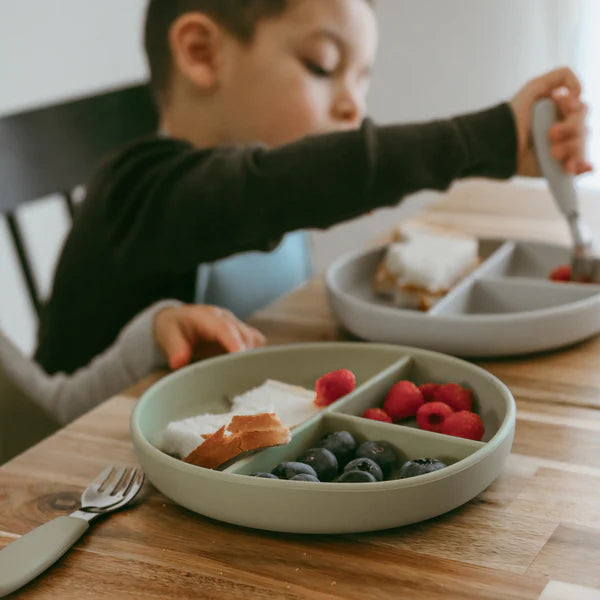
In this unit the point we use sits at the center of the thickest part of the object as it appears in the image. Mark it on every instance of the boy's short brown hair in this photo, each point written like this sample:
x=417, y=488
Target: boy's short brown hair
x=239, y=17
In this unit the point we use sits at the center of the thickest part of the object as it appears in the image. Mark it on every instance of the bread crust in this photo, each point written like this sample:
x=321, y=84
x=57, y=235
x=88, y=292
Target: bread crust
x=242, y=434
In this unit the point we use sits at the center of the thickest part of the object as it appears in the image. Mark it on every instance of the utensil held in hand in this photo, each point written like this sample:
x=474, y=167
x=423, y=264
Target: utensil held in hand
x=584, y=266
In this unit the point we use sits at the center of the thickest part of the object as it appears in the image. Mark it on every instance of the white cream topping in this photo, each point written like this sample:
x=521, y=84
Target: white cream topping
x=430, y=260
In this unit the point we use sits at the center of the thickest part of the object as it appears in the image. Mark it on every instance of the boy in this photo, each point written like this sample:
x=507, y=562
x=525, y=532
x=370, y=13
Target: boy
x=230, y=74
x=33, y=404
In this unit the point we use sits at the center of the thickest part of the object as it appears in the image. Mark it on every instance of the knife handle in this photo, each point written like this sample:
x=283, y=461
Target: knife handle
x=31, y=554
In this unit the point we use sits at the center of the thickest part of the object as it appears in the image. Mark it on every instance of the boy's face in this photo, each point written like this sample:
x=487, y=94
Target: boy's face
x=305, y=72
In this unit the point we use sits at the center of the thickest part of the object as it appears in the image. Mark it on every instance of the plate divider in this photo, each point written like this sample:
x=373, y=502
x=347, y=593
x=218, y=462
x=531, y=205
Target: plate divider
x=503, y=253
x=410, y=442
x=377, y=384
x=543, y=284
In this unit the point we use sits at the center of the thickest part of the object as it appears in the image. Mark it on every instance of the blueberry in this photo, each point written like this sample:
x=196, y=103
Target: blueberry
x=322, y=461
x=383, y=453
x=365, y=464
x=304, y=477
x=265, y=475
x=341, y=443
x=420, y=466
x=356, y=477
x=286, y=470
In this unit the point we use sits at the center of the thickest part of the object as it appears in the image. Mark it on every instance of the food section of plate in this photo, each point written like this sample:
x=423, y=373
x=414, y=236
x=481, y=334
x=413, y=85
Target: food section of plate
x=325, y=438
x=515, y=298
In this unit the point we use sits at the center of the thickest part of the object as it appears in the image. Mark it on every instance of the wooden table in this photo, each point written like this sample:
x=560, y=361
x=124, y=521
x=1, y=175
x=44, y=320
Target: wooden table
x=534, y=533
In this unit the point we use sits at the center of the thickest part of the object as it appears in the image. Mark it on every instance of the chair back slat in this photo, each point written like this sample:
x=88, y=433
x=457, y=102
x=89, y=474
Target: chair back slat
x=56, y=148
x=25, y=265
x=69, y=204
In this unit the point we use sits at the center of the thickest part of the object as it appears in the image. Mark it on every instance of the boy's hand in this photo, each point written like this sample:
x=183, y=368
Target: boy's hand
x=181, y=331
x=567, y=136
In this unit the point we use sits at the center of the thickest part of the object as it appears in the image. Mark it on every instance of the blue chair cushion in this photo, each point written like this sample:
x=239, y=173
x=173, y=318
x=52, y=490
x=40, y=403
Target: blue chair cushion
x=245, y=282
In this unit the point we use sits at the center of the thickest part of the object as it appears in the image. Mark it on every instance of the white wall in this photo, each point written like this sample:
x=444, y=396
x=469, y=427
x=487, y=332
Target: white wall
x=440, y=57
x=58, y=49
x=437, y=57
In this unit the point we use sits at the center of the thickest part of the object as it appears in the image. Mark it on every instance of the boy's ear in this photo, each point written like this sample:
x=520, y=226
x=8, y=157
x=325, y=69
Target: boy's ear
x=195, y=41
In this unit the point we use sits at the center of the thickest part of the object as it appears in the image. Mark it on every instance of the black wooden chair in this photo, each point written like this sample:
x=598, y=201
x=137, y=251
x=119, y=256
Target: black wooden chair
x=54, y=149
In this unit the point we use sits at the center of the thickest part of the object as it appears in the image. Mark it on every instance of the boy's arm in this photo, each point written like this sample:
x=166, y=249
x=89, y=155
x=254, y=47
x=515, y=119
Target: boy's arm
x=170, y=206
x=65, y=397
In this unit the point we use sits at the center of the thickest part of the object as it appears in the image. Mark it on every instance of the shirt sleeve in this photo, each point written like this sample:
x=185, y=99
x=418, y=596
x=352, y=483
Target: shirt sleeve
x=170, y=207
x=134, y=355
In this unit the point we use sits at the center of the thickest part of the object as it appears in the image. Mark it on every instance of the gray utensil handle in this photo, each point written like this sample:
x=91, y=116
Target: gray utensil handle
x=27, y=557
x=562, y=185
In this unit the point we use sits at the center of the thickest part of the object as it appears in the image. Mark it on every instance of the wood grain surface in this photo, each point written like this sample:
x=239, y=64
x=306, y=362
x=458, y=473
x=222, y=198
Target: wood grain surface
x=534, y=533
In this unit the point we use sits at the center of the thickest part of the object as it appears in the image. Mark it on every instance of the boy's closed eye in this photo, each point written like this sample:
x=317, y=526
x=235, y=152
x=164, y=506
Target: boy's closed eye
x=318, y=70
x=322, y=59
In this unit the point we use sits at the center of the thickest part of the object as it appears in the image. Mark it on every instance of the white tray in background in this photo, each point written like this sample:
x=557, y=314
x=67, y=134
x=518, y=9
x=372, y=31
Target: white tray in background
x=507, y=306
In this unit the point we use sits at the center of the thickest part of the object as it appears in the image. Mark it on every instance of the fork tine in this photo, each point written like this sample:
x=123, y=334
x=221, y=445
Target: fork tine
x=120, y=480
x=126, y=482
x=103, y=479
x=127, y=494
x=132, y=479
x=137, y=483
x=139, y=480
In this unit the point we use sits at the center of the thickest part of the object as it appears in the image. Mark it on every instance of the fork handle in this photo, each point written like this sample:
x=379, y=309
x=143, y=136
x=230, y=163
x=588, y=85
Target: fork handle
x=31, y=554
x=562, y=185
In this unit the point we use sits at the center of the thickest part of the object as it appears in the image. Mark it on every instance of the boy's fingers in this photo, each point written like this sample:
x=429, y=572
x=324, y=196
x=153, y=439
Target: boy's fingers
x=571, y=149
x=215, y=324
x=583, y=166
x=210, y=324
x=253, y=337
x=567, y=129
x=176, y=347
x=224, y=331
x=566, y=101
x=548, y=83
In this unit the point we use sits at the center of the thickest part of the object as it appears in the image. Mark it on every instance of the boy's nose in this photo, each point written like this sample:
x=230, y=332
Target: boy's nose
x=347, y=110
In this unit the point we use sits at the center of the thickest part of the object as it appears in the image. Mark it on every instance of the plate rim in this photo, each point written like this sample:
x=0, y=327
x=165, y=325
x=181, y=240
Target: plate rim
x=399, y=314
x=142, y=444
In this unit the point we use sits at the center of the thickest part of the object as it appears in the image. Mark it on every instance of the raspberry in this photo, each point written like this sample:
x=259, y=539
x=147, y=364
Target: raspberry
x=403, y=400
x=455, y=396
x=333, y=385
x=377, y=414
x=428, y=390
x=464, y=424
x=431, y=416
x=562, y=273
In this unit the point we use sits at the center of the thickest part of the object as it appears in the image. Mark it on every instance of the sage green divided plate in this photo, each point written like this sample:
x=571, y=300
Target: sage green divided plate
x=507, y=306
x=304, y=507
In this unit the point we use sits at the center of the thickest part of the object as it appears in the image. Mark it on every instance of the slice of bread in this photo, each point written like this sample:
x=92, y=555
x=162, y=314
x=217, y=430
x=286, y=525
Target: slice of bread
x=422, y=264
x=244, y=433
x=291, y=403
